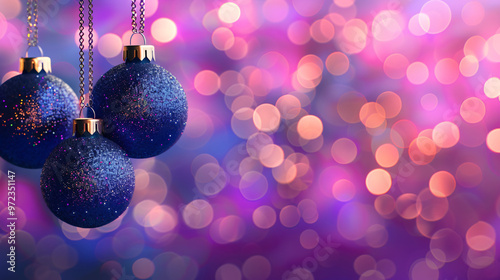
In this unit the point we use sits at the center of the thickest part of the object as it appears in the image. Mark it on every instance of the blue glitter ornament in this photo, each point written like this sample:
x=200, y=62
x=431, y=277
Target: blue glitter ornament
x=87, y=180
x=143, y=106
x=36, y=115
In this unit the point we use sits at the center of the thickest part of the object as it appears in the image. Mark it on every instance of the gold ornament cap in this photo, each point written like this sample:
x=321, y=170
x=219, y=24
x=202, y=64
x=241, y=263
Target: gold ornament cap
x=86, y=127
x=139, y=53
x=36, y=64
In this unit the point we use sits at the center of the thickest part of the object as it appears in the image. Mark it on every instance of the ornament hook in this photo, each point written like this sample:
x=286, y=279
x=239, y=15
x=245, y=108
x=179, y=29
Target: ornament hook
x=87, y=106
x=142, y=34
x=37, y=46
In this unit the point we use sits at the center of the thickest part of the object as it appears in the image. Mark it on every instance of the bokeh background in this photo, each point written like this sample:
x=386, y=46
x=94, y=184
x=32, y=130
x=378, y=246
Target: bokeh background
x=326, y=139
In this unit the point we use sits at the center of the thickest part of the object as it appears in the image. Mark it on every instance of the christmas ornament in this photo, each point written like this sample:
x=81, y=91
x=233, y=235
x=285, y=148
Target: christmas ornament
x=87, y=180
x=143, y=106
x=37, y=108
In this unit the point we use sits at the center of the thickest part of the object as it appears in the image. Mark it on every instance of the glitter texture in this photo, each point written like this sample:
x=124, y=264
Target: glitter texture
x=36, y=115
x=87, y=181
x=143, y=106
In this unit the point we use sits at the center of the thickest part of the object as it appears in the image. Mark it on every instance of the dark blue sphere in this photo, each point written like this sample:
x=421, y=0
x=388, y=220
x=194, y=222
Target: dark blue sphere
x=143, y=106
x=87, y=181
x=37, y=111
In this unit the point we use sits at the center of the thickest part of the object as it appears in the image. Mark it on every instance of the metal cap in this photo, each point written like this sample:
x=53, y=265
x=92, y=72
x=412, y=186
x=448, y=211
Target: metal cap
x=86, y=127
x=37, y=64
x=138, y=53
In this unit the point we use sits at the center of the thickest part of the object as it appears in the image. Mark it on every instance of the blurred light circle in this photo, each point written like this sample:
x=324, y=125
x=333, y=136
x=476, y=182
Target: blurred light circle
x=210, y=179
x=286, y=172
x=275, y=10
x=242, y=123
x=10, y=8
x=143, y=268
x=289, y=106
x=473, y=13
x=387, y=268
x=239, y=49
x=414, y=25
x=395, y=66
x=266, y=117
x=439, y=16
x=322, y=31
x=429, y=102
x=469, y=66
x=492, y=87
x=387, y=25
x=264, y=217
x=403, y=132
x=364, y=263
x=228, y=271
x=372, y=115
x=469, y=174
x=391, y=102
x=491, y=49
x=343, y=190
x=349, y=105
x=493, y=140
x=227, y=229
x=310, y=127
x=344, y=3
x=110, y=45
x=378, y=181
x=229, y=12
x=198, y=214
x=253, y=185
x=446, y=245
x=387, y=155
x=309, y=239
x=472, y=110
x=445, y=134
x=431, y=208
x=475, y=46
x=337, y=63
x=298, y=32
x=151, y=7
x=446, y=71
x=377, y=236
x=442, y=184
x=223, y=38
x=289, y=216
x=207, y=82
x=164, y=30
x=308, y=210
x=481, y=236
x=354, y=219
x=344, y=151
x=384, y=204
x=256, y=268
x=406, y=206
x=372, y=275
x=417, y=73
x=307, y=8
x=424, y=270
x=355, y=33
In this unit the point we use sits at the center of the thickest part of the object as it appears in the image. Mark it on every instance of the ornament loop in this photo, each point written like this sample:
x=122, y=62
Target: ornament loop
x=143, y=37
x=87, y=106
x=39, y=49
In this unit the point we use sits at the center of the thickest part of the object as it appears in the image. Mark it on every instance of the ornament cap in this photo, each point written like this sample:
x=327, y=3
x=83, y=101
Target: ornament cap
x=86, y=127
x=138, y=53
x=36, y=64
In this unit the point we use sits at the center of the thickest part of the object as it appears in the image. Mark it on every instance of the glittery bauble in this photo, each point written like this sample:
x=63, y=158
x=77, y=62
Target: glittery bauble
x=143, y=106
x=87, y=181
x=36, y=114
